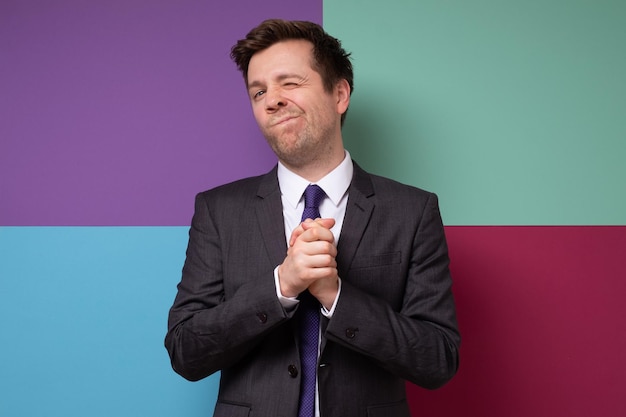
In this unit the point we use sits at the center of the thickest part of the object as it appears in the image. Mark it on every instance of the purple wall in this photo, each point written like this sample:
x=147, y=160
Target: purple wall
x=118, y=112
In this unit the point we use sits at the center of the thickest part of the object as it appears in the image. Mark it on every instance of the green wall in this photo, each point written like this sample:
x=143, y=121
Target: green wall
x=513, y=112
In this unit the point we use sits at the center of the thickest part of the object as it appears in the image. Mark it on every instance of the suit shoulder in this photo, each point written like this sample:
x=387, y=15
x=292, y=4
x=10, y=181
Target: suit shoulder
x=248, y=187
x=386, y=187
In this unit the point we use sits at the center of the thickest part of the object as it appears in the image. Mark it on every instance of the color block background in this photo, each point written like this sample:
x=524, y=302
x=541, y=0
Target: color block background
x=115, y=113
x=512, y=111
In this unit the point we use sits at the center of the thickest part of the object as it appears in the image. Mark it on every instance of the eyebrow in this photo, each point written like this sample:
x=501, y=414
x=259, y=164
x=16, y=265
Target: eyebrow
x=254, y=84
x=281, y=77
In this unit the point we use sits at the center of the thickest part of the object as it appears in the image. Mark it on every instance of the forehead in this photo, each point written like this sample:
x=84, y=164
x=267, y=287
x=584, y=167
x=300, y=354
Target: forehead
x=285, y=56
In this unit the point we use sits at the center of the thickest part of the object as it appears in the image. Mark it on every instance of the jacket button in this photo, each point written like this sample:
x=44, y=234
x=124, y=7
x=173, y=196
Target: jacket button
x=293, y=371
x=262, y=317
x=351, y=333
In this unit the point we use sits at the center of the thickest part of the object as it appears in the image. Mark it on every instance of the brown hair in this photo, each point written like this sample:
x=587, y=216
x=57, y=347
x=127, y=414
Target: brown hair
x=330, y=60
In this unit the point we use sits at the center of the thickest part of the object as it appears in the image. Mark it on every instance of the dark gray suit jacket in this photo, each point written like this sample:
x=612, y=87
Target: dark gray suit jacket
x=395, y=319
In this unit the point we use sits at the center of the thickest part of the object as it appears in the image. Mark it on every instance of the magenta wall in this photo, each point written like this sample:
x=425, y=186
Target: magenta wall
x=541, y=311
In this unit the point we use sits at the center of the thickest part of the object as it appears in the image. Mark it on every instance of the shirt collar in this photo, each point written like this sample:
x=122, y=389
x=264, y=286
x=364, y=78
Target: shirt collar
x=335, y=183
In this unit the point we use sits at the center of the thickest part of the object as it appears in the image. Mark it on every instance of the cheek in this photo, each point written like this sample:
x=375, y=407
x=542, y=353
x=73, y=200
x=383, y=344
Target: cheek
x=324, y=113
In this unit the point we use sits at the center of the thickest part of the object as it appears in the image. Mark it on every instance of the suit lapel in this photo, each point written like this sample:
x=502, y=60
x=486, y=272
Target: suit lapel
x=269, y=213
x=358, y=212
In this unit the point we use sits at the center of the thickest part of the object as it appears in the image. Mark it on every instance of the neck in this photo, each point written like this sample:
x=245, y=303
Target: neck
x=316, y=169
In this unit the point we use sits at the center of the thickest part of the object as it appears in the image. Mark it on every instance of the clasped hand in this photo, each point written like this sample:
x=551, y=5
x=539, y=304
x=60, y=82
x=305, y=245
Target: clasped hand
x=310, y=262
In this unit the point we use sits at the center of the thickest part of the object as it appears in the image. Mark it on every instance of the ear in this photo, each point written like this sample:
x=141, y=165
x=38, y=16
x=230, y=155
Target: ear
x=342, y=94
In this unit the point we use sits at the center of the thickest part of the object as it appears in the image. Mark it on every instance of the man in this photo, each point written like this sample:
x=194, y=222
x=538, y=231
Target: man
x=371, y=263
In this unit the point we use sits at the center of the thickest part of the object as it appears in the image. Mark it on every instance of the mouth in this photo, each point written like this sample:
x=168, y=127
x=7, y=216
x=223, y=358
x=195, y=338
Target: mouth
x=284, y=120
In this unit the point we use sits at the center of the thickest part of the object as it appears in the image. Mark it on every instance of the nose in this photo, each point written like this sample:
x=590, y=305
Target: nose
x=274, y=100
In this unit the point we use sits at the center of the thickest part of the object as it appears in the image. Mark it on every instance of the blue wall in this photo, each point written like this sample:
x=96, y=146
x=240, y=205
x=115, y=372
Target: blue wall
x=84, y=315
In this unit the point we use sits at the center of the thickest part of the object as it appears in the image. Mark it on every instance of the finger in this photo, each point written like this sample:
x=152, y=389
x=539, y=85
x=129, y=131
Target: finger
x=310, y=224
x=326, y=223
x=312, y=275
x=316, y=233
x=319, y=229
x=302, y=249
x=295, y=234
x=321, y=260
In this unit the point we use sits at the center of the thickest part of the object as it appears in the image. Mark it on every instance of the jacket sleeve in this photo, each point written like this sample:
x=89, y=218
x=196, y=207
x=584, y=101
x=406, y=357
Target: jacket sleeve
x=418, y=339
x=211, y=326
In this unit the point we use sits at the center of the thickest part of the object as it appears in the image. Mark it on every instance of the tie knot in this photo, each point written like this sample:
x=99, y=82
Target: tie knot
x=313, y=196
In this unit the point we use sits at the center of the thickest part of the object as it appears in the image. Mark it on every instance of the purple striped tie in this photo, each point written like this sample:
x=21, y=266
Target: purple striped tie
x=309, y=319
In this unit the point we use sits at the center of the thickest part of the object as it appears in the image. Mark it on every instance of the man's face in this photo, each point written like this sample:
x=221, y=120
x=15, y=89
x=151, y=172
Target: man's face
x=299, y=118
